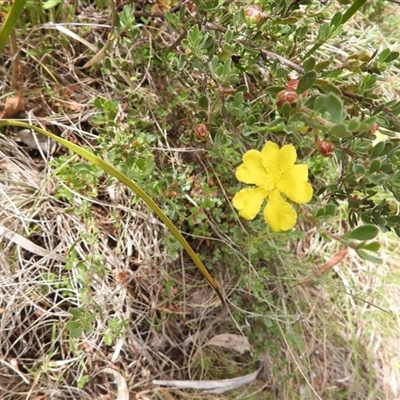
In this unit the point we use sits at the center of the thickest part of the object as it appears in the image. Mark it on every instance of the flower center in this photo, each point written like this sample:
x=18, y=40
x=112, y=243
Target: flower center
x=269, y=185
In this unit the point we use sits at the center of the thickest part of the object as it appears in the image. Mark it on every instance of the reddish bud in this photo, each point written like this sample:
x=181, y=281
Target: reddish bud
x=292, y=84
x=374, y=128
x=326, y=148
x=287, y=96
x=170, y=193
x=201, y=132
x=254, y=15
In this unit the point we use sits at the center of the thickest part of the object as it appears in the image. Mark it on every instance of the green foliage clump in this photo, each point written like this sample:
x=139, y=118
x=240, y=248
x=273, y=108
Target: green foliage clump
x=236, y=78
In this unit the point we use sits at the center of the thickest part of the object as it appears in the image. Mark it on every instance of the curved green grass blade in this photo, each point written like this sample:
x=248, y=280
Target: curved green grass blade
x=10, y=22
x=125, y=180
x=352, y=10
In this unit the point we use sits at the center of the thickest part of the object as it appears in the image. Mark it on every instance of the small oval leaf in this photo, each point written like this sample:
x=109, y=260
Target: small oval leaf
x=375, y=165
x=309, y=64
x=203, y=102
x=288, y=21
x=369, y=257
x=373, y=246
x=334, y=106
x=340, y=131
x=364, y=232
x=306, y=81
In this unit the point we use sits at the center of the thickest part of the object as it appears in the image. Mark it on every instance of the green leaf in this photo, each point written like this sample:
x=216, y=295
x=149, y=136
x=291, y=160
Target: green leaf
x=194, y=36
x=387, y=168
x=10, y=22
x=395, y=109
x=238, y=99
x=320, y=212
x=74, y=328
x=388, y=56
x=358, y=169
x=50, y=4
x=375, y=165
x=83, y=380
x=274, y=90
x=334, y=106
x=286, y=110
x=384, y=55
x=352, y=10
x=364, y=232
x=394, y=219
x=309, y=64
x=367, y=123
x=207, y=42
x=108, y=339
x=373, y=246
x=369, y=257
x=281, y=73
x=182, y=13
x=353, y=125
x=306, y=81
x=75, y=333
x=322, y=65
x=319, y=104
x=388, y=148
x=377, y=150
x=171, y=19
x=203, y=102
x=329, y=88
x=182, y=61
x=251, y=120
x=336, y=20
x=287, y=21
x=76, y=312
x=83, y=168
x=301, y=32
x=394, y=55
x=330, y=209
x=340, y=131
x=377, y=179
x=228, y=36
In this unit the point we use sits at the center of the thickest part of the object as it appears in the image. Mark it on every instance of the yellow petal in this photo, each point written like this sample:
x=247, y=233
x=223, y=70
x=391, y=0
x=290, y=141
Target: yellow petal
x=277, y=161
x=248, y=202
x=252, y=170
x=294, y=184
x=279, y=214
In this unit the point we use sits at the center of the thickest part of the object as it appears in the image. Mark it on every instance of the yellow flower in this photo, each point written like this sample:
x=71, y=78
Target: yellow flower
x=274, y=173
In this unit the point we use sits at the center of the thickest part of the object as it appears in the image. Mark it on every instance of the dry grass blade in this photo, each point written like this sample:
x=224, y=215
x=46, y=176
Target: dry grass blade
x=217, y=387
x=123, y=393
x=103, y=50
x=27, y=244
x=92, y=47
